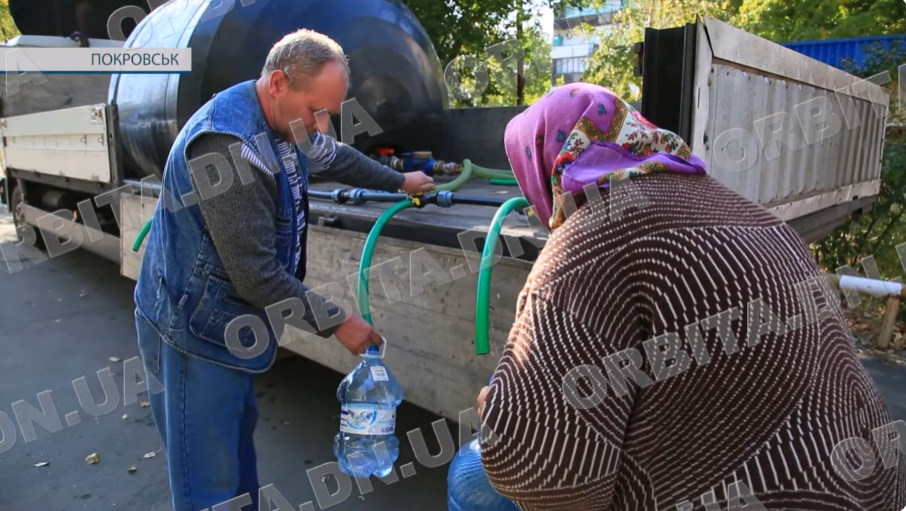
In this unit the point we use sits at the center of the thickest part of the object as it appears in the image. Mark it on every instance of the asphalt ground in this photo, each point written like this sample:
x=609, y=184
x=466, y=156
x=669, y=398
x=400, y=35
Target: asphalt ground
x=65, y=318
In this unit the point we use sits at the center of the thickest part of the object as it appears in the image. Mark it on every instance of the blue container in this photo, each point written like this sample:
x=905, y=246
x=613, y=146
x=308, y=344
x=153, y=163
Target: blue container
x=468, y=487
x=833, y=51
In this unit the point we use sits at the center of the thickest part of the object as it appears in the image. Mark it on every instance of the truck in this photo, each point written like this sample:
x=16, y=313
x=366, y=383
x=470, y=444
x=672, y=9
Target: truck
x=82, y=156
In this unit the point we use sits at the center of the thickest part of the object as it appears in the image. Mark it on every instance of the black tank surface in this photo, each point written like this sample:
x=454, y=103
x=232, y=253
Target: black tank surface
x=63, y=17
x=396, y=74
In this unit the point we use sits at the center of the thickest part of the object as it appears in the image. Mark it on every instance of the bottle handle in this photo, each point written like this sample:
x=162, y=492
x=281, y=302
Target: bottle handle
x=382, y=349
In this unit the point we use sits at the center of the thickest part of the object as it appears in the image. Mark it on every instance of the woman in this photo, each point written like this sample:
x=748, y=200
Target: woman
x=683, y=353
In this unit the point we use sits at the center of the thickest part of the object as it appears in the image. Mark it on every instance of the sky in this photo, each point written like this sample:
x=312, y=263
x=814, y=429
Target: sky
x=547, y=21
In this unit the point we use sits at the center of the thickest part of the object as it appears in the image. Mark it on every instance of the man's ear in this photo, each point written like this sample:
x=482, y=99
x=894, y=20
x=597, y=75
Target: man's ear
x=278, y=82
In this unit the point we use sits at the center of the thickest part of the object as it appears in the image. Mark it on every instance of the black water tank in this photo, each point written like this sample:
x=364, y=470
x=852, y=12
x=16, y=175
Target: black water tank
x=396, y=74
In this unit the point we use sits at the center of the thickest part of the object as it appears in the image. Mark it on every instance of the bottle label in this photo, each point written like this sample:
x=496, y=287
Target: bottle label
x=365, y=420
x=379, y=373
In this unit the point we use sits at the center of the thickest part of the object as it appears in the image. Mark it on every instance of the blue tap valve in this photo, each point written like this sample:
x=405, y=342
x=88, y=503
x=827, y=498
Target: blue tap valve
x=428, y=167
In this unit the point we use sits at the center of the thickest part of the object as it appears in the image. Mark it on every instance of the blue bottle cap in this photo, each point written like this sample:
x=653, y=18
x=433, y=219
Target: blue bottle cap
x=380, y=351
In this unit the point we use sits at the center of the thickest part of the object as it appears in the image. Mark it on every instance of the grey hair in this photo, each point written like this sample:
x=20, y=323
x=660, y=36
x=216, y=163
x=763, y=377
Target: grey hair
x=301, y=55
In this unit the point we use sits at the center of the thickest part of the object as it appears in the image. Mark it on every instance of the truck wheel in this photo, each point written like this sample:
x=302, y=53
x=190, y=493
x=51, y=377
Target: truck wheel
x=16, y=198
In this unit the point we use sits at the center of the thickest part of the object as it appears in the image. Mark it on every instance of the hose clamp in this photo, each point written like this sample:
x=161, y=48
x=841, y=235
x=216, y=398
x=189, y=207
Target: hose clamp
x=337, y=196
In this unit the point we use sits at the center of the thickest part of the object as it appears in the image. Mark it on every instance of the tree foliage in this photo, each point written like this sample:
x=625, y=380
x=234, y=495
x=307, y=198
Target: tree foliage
x=463, y=30
x=8, y=29
x=459, y=27
x=803, y=20
x=777, y=20
x=498, y=77
x=613, y=63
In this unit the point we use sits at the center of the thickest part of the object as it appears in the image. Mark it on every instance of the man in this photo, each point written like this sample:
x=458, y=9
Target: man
x=228, y=241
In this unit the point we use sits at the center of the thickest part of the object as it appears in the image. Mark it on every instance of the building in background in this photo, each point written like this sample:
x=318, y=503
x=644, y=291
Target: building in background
x=570, y=52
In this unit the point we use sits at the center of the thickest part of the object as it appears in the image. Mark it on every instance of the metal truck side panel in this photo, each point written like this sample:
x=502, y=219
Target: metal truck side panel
x=749, y=88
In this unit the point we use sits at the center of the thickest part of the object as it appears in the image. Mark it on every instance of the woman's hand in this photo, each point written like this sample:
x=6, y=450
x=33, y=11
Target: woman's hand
x=481, y=396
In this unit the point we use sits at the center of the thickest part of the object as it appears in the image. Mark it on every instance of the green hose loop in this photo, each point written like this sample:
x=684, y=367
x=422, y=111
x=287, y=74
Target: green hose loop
x=368, y=253
x=141, y=235
x=483, y=300
x=460, y=180
x=505, y=182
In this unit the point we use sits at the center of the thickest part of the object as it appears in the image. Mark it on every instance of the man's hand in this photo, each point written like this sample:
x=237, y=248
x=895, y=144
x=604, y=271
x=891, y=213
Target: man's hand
x=481, y=397
x=357, y=335
x=415, y=182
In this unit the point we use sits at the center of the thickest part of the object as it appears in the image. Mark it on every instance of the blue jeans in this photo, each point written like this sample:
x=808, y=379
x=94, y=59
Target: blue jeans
x=206, y=417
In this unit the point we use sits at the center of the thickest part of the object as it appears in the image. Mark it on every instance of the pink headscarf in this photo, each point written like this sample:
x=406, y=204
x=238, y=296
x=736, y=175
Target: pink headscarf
x=582, y=133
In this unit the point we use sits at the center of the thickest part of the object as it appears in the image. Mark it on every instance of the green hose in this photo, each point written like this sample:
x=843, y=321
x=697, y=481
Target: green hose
x=505, y=182
x=141, y=235
x=486, y=173
x=490, y=175
x=368, y=253
x=483, y=300
x=482, y=303
x=456, y=184
x=460, y=180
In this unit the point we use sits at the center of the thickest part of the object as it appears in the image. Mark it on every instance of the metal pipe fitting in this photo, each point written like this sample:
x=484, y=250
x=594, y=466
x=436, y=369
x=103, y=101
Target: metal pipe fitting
x=445, y=198
x=357, y=196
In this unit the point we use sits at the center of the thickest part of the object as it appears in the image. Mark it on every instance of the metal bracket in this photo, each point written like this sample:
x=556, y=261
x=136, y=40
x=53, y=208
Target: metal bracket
x=97, y=114
x=328, y=221
x=639, y=50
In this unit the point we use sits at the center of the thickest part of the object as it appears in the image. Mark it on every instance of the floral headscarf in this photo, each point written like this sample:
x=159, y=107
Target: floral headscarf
x=582, y=133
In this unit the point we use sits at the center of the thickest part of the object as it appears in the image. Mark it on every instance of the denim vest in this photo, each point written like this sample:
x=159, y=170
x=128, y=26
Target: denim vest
x=183, y=288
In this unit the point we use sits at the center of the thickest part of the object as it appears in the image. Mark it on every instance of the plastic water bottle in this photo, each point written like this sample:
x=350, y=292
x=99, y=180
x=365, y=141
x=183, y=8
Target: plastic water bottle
x=468, y=486
x=369, y=395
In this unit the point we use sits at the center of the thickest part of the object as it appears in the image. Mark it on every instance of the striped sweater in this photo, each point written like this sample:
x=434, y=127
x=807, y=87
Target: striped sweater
x=298, y=181
x=724, y=407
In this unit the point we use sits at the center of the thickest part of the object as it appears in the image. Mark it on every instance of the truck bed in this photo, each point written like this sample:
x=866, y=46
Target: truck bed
x=432, y=224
